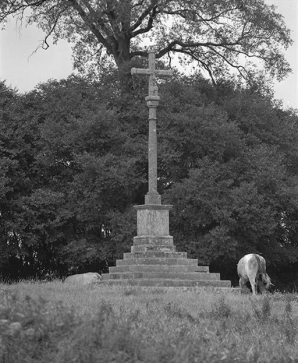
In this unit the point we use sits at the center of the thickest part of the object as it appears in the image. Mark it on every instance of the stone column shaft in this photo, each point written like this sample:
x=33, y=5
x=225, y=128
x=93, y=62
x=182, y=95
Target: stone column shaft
x=152, y=197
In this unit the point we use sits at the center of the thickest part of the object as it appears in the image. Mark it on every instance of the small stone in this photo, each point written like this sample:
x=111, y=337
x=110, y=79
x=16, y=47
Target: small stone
x=14, y=328
x=19, y=315
x=30, y=332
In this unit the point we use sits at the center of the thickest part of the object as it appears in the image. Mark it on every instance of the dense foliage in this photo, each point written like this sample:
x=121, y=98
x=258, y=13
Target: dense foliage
x=235, y=168
x=70, y=175
x=73, y=158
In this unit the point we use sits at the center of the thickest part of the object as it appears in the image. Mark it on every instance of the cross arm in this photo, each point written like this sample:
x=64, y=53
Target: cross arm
x=141, y=71
x=164, y=72
x=160, y=72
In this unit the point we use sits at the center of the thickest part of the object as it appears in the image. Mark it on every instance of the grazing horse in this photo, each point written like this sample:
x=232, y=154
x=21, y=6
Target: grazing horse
x=252, y=268
x=83, y=279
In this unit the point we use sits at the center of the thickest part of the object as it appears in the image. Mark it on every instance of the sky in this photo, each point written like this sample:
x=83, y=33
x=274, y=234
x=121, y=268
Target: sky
x=23, y=65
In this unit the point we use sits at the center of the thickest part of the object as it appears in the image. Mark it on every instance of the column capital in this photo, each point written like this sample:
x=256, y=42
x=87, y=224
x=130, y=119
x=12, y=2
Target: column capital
x=152, y=98
x=153, y=207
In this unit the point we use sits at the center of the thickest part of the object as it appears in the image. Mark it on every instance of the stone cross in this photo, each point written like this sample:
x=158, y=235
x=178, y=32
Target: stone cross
x=152, y=197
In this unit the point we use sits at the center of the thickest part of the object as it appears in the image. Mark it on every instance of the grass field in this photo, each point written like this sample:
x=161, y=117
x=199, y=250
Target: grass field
x=53, y=322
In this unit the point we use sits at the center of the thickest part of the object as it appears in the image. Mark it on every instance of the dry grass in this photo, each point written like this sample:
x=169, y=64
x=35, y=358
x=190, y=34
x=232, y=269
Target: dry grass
x=54, y=322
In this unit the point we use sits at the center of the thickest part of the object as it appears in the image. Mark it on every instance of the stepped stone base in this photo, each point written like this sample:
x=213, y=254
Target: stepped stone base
x=152, y=282
x=154, y=261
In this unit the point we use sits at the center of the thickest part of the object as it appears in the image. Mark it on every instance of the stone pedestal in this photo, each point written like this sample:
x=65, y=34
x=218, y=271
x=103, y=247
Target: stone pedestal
x=154, y=261
x=153, y=220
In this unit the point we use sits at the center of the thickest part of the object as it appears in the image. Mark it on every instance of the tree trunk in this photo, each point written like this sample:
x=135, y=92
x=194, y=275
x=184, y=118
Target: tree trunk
x=122, y=58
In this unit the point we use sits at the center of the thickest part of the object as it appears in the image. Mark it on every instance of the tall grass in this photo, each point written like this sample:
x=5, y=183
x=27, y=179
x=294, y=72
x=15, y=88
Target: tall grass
x=54, y=322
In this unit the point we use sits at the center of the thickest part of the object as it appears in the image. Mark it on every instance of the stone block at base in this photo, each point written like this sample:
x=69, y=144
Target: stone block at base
x=168, y=283
x=153, y=220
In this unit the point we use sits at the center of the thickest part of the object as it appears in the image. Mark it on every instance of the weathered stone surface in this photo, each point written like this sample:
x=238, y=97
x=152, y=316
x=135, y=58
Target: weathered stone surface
x=153, y=260
x=193, y=289
x=146, y=248
x=162, y=275
x=156, y=268
x=153, y=220
x=87, y=278
x=152, y=197
x=164, y=268
x=149, y=254
x=153, y=240
x=157, y=261
x=168, y=282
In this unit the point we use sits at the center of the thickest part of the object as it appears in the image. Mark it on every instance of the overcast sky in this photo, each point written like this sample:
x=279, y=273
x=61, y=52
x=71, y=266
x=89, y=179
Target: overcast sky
x=23, y=67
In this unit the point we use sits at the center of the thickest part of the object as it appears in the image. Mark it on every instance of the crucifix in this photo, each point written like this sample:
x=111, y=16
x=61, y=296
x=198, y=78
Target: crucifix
x=152, y=197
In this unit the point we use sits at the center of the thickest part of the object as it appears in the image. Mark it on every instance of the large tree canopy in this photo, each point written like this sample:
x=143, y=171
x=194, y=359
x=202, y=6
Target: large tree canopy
x=221, y=36
x=74, y=163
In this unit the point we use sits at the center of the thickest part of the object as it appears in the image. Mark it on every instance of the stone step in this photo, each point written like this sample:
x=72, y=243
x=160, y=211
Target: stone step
x=169, y=289
x=162, y=275
x=153, y=240
x=160, y=248
x=149, y=254
x=158, y=268
x=168, y=283
x=157, y=261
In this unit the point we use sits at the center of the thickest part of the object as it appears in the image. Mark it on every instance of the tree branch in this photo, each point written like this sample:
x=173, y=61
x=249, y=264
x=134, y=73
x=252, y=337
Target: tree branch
x=171, y=46
x=15, y=8
x=194, y=13
x=53, y=28
x=113, y=19
x=91, y=25
x=145, y=13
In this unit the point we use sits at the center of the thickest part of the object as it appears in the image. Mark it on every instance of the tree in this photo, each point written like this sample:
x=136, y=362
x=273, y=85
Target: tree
x=92, y=163
x=229, y=168
x=74, y=162
x=70, y=175
x=217, y=34
x=18, y=147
